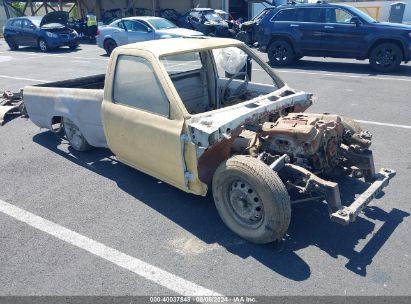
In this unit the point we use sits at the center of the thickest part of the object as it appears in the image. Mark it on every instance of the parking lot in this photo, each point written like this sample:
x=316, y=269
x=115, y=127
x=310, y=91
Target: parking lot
x=179, y=236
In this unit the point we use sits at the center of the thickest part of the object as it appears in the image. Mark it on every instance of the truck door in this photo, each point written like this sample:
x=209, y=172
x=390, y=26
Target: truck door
x=142, y=127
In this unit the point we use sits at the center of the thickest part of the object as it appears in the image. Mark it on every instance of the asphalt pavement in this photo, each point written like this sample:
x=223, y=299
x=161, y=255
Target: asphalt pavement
x=113, y=205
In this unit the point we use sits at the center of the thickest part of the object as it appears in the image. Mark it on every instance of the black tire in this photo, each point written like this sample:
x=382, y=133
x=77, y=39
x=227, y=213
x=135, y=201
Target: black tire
x=109, y=46
x=43, y=46
x=280, y=53
x=73, y=46
x=251, y=199
x=12, y=44
x=386, y=57
x=244, y=37
x=73, y=134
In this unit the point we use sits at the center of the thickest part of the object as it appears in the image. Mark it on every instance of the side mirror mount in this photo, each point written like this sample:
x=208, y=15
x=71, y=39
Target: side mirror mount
x=356, y=21
x=32, y=26
x=149, y=30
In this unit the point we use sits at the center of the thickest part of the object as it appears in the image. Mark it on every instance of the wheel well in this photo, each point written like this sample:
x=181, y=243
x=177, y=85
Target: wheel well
x=107, y=39
x=56, y=124
x=380, y=41
x=285, y=38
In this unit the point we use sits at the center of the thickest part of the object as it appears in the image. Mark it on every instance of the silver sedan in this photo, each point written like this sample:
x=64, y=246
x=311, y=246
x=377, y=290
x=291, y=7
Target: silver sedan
x=136, y=29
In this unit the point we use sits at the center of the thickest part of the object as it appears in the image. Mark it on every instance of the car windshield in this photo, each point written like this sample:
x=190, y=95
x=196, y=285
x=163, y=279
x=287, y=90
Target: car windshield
x=211, y=16
x=223, y=15
x=363, y=15
x=261, y=15
x=161, y=24
x=36, y=22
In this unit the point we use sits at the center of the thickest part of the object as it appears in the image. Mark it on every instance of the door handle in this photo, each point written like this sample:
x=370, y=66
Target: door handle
x=328, y=27
x=294, y=25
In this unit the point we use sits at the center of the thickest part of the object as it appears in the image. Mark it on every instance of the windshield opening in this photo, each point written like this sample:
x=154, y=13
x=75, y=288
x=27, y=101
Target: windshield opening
x=216, y=78
x=161, y=24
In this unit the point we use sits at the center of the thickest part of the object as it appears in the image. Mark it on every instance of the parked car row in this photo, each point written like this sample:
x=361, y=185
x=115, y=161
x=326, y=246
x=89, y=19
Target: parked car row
x=286, y=32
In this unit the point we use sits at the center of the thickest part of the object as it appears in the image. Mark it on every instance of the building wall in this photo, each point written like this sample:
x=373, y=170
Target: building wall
x=181, y=6
x=384, y=8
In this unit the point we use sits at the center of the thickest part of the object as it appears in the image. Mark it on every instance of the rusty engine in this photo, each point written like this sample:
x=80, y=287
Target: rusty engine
x=321, y=143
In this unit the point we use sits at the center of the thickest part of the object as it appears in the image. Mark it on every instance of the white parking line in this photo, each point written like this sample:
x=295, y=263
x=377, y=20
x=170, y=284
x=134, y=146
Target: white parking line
x=26, y=79
x=383, y=124
x=141, y=268
x=65, y=56
x=369, y=77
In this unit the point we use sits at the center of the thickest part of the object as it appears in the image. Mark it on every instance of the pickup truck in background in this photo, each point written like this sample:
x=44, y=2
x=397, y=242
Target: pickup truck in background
x=204, y=113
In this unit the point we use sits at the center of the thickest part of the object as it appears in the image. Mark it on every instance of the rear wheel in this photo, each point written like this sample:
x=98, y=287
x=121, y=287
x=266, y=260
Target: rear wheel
x=43, y=46
x=280, y=53
x=251, y=199
x=386, y=57
x=74, y=136
x=12, y=44
x=109, y=46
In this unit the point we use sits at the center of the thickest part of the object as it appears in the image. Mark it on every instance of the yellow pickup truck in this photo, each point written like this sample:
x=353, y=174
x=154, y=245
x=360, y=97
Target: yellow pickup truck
x=202, y=113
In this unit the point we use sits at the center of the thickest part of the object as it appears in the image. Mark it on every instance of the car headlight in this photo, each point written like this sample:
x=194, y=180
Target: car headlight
x=52, y=35
x=409, y=35
x=166, y=36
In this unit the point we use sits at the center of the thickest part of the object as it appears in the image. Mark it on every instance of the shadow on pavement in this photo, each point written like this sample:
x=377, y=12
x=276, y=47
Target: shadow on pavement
x=310, y=225
x=360, y=67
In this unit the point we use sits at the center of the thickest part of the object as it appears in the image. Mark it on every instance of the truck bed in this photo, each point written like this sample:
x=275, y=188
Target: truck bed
x=78, y=99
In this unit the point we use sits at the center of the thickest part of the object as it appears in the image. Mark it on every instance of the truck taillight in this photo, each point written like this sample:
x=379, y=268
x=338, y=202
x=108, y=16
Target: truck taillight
x=98, y=31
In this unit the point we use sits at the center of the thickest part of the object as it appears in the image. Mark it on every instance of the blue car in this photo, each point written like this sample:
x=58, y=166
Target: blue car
x=289, y=32
x=46, y=32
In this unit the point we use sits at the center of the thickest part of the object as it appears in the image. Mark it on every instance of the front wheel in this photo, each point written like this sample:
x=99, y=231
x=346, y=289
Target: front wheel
x=43, y=46
x=74, y=136
x=280, y=53
x=251, y=199
x=386, y=57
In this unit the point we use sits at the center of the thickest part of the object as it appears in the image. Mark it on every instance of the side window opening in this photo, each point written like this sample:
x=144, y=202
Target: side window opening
x=132, y=77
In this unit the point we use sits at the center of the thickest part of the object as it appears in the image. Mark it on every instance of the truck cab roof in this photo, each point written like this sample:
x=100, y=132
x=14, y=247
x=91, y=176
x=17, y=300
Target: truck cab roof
x=180, y=45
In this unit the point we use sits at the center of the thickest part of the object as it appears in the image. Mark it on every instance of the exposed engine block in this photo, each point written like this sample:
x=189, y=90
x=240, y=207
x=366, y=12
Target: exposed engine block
x=310, y=140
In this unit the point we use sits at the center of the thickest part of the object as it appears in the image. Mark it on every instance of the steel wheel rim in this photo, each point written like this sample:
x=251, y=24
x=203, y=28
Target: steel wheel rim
x=245, y=204
x=73, y=133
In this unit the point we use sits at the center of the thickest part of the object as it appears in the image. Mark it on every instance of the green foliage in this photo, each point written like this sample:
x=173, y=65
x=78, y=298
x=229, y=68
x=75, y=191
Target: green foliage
x=19, y=7
x=74, y=12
